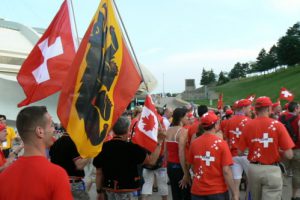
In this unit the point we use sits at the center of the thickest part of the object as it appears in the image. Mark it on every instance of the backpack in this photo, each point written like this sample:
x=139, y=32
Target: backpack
x=288, y=125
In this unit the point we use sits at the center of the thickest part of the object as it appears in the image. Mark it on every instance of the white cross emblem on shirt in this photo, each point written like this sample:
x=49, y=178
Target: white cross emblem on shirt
x=207, y=158
x=41, y=74
x=286, y=93
x=266, y=140
x=236, y=132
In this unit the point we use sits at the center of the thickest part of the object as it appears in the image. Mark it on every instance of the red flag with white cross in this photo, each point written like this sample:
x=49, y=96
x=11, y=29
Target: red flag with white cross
x=251, y=97
x=45, y=69
x=286, y=95
x=146, y=130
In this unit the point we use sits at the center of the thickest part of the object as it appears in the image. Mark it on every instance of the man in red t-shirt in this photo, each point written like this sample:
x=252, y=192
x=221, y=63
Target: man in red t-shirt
x=292, y=114
x=32, y=176
x=233, y=132
x=265, y=138
x=211, y=159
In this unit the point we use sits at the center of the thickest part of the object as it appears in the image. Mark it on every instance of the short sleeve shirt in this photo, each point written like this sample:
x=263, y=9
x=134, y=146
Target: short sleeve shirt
x=64, y=153
x=118, y=161
x=234, y=130
x=208, y=155
x=264, y=137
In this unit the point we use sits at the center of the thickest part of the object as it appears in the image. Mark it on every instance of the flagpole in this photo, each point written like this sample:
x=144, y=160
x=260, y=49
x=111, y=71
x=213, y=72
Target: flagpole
x=133, y=52
x=73, y=13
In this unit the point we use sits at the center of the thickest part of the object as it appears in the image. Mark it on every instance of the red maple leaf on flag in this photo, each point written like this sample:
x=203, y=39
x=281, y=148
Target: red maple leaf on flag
x=148, y=122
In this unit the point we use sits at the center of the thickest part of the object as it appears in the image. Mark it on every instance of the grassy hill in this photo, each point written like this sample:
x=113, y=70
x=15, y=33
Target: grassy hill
x=263, y=85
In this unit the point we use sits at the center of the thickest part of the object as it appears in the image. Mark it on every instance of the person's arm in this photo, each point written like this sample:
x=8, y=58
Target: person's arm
x=227, y=173
x=288, y=154
x=99, y=183
x=152, y=158
x=181, y=148
x=80, y=163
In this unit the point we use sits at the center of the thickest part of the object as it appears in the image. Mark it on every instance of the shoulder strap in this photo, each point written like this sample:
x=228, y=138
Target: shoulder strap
x=177, y=134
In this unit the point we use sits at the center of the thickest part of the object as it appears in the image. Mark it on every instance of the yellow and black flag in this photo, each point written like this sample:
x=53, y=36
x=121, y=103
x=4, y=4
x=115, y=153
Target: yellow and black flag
x=102, y=81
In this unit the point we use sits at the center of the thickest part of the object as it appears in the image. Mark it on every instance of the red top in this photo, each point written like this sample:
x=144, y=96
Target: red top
x=173, y=155
x=234, y=130
x=2, y=158
x=34, y=177
x=295, y=126
x=208, y=155
x=264, y=136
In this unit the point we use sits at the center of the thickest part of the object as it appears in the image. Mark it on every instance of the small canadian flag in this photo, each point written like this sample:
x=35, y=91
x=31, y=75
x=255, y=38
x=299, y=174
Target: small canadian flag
x=286, y=95
x=147, y=127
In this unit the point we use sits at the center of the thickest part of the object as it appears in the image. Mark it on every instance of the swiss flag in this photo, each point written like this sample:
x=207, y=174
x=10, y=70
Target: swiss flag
x=147, y=127
x=43, y=72
x=251, y=97
x=286, y=95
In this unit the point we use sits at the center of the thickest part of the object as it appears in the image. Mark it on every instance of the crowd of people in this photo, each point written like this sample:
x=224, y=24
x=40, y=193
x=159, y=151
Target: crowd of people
x=201, y=154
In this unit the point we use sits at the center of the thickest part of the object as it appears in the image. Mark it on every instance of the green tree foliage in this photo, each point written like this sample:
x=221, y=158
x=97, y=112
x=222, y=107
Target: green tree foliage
x=211, y=76
x=208, y=77
x=204, y=77
x=239, y=70
x=222, y=79
x=273, y=57
x=262, y=61
x=288, y=50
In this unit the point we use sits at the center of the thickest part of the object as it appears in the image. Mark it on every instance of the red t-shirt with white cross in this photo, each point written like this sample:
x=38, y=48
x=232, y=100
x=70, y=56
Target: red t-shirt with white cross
x=208, y=155
x=234, y=130
x=264, y=137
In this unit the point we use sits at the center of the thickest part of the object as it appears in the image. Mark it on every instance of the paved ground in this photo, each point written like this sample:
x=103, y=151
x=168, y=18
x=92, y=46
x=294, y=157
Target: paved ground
x=287, y=191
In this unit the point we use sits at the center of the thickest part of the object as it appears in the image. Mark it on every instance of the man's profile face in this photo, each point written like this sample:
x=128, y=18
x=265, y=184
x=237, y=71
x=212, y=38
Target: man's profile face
x=3, y=134
x=49, y=131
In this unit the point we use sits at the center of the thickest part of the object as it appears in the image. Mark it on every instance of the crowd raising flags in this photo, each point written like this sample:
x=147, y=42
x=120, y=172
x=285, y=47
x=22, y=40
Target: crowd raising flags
x=96, y=84
x=43, y=72
x=102, y=81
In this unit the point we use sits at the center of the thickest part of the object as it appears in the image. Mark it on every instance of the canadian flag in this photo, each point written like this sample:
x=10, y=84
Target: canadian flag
x=251, y=97
x=147, y=128
x=286, y=95
x=43, y=72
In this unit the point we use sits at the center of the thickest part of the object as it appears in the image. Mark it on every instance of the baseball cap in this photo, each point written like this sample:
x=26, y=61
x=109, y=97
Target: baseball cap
x=263, y=102
x=209, y=119
x=229, y=112
x=243, y=103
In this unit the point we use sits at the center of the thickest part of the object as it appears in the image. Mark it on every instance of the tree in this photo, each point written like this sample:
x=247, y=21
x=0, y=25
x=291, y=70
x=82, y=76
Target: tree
x=288, y=47
x=222, y=79
x=239, y=70
x=204, y=77
x=211, y=77
x=261, y=61
x=273, y=57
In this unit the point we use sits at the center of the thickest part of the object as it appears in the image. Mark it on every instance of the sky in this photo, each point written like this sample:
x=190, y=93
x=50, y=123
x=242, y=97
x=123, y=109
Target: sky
x=176, y=39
